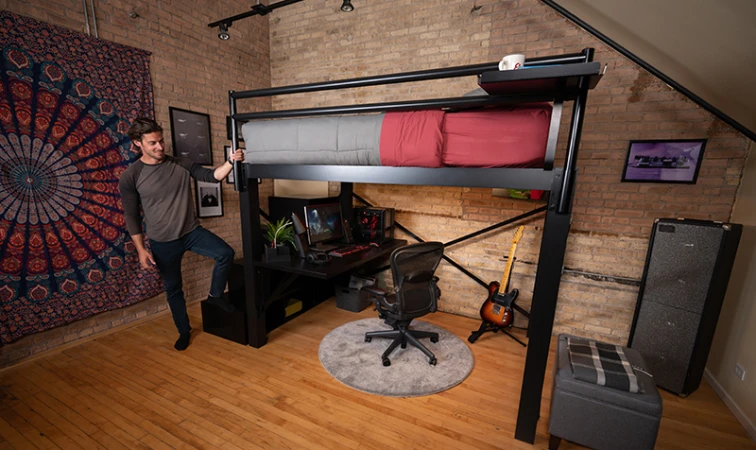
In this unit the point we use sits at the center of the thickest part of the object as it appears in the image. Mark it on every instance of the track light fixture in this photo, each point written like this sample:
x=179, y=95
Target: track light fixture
x=258, y=9
x=223, y=31
x=261, y=10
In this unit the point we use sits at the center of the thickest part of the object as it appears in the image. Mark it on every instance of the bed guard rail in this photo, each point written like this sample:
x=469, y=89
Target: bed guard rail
x=557, y=92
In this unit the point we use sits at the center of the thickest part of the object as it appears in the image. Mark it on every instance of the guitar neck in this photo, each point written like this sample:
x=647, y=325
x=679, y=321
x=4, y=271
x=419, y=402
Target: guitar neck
x=507, y=270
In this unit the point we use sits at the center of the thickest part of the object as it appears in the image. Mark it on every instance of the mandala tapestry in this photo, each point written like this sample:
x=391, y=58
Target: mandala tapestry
x=67, y=101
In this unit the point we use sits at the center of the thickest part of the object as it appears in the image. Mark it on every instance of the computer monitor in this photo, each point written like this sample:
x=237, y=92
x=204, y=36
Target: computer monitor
x=324, y=223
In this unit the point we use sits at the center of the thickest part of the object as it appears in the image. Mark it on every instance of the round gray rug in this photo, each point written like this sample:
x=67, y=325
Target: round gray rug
x=356, y=363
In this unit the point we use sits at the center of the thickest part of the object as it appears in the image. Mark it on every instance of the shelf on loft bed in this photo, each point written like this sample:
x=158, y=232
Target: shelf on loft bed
x=552, y=81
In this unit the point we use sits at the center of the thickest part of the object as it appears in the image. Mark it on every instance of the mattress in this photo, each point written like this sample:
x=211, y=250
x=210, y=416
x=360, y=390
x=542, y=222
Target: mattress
x=339, y=140
x=500, y=137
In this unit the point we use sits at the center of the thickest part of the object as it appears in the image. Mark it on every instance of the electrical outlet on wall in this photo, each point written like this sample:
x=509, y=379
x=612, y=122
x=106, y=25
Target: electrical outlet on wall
x=739, y=372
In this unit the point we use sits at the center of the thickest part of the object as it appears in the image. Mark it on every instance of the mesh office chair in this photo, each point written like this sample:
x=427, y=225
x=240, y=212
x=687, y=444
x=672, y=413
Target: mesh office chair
x=415, y=294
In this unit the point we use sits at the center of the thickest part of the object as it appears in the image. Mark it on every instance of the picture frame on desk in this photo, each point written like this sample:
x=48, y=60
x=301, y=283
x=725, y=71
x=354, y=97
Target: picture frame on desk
x=190, y=134
x=209, y=199
x=664, y=161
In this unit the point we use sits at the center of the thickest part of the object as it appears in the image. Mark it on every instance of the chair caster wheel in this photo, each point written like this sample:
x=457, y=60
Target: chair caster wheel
x=432, y=361
x=386, y=363
x=434, y=339
x=368, y=339
x=404, y=345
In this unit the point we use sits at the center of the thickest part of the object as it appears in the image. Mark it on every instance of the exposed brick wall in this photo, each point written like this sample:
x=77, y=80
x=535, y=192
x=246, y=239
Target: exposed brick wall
x=191, y=69
x=611, y=220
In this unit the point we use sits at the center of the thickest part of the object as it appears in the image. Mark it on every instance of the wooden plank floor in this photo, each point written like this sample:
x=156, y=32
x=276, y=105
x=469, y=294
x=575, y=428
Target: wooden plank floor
x=132, y=390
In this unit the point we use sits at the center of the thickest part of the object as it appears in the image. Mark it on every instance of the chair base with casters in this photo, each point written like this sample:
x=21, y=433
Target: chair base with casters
x=415, y=294
x=401, y=335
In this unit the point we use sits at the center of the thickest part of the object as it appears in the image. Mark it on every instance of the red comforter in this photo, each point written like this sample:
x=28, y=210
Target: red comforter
x=501, y=137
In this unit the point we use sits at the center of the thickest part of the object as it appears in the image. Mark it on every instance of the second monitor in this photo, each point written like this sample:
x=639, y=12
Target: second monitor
x=324, y=224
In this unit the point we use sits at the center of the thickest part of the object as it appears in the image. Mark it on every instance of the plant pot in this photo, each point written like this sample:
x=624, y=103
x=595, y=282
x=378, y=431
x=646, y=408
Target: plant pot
x=282, y=253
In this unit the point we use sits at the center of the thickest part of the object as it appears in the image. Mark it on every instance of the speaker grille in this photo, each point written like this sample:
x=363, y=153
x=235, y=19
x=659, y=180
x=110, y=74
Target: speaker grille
x=681, y=265
x=688, y=266
x=664, y=336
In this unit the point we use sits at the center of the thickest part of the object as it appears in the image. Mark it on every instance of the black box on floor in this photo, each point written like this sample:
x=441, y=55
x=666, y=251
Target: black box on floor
x=351, y=298
x=228, y=325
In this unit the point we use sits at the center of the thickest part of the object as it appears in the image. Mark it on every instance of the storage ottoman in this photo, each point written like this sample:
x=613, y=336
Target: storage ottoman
x=601, y=417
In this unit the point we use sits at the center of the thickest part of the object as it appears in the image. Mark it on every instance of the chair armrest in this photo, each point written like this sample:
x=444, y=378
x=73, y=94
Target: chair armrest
x=379, y=297
x=378, y=292
x=437, y=291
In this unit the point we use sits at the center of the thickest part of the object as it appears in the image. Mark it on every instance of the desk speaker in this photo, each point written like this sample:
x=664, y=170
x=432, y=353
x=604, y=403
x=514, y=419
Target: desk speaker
x=688, y=266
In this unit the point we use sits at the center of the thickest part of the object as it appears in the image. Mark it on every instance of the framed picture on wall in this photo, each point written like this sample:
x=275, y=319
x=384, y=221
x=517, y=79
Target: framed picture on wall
x=664, y=161
x=209, y=199
x=190, y=134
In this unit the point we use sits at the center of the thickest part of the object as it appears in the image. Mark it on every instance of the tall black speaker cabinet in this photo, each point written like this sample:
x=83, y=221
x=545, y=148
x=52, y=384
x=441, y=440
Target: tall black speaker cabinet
x=687, y=269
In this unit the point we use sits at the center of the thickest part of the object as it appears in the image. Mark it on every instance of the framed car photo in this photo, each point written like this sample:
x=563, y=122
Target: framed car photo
x=190, y=134
x=664, y=161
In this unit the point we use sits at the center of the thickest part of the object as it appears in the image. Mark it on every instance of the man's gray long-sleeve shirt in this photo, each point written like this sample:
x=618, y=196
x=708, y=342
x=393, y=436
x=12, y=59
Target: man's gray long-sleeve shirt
x=165, y=194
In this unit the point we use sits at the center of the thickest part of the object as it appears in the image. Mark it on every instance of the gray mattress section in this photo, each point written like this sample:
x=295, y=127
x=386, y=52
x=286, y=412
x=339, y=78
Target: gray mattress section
x=339, y=140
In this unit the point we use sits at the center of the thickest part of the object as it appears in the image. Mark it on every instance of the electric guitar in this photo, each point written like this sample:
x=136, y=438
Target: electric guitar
x=497, y=309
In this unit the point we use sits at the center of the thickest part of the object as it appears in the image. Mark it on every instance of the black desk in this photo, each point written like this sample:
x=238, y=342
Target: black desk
x=336, y=266
x=273, y=282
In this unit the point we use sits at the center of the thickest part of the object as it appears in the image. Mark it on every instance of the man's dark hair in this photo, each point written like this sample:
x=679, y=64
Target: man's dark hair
x=142, y=126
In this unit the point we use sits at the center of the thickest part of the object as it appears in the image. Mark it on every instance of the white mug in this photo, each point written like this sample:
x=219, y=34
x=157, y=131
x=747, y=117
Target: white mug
x=512, y=62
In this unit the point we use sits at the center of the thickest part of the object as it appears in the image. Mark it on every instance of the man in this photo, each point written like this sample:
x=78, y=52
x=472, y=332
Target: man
x=161, y=185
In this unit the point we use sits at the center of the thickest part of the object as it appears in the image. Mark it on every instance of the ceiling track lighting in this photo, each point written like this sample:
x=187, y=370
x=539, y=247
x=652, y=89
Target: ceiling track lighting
x=223, y=31
x=258, y=9
x=261, y=10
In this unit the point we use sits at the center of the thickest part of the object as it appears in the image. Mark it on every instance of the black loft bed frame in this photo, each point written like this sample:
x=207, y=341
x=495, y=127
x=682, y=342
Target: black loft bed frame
x=557, y=79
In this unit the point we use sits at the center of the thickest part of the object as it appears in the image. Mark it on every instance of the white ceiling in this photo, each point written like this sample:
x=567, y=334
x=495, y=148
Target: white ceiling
x=708, y=46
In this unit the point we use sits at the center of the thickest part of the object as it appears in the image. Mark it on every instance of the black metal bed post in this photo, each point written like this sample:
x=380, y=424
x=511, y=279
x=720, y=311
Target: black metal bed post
x=239, y=181
x=556, y=229
x=249, y=210
x=249, y=205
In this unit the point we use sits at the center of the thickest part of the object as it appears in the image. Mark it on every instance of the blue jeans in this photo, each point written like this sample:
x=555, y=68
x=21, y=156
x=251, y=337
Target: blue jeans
x=168, y=256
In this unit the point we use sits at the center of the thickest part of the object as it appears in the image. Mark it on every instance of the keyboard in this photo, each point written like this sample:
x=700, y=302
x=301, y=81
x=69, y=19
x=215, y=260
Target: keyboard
x=323, y=248
x=349, y=250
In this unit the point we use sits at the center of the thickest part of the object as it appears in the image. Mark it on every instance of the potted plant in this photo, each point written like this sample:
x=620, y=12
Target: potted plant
x=280, y=236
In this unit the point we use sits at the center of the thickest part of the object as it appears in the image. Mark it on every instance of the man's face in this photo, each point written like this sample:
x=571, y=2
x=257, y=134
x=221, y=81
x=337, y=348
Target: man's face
x=152, y=146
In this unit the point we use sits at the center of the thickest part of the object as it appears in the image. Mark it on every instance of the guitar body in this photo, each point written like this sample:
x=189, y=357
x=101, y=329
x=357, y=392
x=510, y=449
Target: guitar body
x=497, y=309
